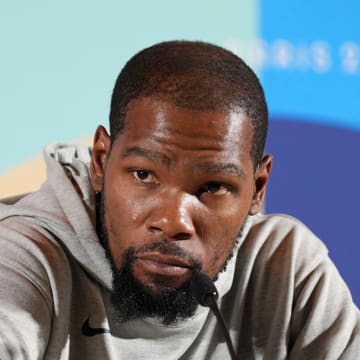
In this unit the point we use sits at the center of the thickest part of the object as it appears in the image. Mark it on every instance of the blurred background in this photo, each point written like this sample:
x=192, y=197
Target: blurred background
x=59, y=62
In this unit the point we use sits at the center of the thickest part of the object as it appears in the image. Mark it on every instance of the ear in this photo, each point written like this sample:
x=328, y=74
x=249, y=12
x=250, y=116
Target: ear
x=99, y=157
x=261, y=179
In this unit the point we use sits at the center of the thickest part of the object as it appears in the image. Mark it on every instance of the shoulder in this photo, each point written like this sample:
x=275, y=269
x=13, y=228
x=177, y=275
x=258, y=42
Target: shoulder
x=280, y=225
x=28, y=233
x=277, y=231
x=284, y=247
x=35, y=280
x=31, y=255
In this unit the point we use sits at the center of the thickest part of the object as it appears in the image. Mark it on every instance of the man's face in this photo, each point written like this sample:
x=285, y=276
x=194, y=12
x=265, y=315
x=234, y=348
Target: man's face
x=177, y=187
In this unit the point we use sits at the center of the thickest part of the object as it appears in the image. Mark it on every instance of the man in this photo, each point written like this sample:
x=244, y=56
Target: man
x=97, y=264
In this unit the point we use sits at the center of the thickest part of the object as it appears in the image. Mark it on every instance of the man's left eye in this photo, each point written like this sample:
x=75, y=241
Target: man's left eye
x=143, y=176
x=216, y=189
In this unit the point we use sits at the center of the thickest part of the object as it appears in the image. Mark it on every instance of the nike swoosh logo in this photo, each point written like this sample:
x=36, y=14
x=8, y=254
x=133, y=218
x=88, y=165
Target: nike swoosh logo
x=87, y=330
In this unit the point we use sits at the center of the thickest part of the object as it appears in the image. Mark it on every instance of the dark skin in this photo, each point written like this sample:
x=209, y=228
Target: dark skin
x=178, y=176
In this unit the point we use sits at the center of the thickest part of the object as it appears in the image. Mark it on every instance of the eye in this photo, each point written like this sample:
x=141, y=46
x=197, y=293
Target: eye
x=143, y=176
x=217, y=189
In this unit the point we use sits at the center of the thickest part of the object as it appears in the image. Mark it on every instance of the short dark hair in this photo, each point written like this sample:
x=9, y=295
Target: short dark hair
x=194, y=75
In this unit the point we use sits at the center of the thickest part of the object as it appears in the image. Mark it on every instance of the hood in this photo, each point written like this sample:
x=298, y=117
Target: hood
x=65, y=206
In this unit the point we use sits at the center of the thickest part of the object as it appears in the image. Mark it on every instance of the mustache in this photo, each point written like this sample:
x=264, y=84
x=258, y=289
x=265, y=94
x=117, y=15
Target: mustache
x=165, y=248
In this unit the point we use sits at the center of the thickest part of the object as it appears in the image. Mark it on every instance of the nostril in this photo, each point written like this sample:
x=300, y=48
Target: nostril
x=182, y=236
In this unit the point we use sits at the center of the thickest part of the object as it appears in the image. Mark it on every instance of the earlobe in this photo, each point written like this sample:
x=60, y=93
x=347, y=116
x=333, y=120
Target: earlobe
x=261, y=180
x=100, y=152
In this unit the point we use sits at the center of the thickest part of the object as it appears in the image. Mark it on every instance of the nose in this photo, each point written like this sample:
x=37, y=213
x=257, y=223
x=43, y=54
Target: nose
x=172, y=217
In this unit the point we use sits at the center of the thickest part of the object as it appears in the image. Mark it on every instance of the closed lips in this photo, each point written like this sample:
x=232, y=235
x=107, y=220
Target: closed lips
x=164, y=260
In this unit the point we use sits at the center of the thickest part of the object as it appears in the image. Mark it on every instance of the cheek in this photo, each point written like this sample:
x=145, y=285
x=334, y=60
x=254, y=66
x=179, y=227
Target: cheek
x=218, y=252
x=222, y=231
x=123, y=220
x=223, y=227
x=225, y=223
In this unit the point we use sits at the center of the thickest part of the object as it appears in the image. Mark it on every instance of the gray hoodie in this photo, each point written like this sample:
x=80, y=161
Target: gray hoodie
x=281, y=295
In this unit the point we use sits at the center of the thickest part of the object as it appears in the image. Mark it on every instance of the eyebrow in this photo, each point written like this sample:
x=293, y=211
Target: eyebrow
x=209, y=167
x=217, y=168
x=152, y=155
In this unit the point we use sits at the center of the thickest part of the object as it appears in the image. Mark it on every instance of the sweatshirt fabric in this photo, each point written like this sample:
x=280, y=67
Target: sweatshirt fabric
x=281, y=295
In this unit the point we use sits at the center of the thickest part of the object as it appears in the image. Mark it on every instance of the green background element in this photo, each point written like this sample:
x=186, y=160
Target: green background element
x=59, y=60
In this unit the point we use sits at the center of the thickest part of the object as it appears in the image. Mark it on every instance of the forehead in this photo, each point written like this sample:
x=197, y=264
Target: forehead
x=146, y=116
x=189, y=135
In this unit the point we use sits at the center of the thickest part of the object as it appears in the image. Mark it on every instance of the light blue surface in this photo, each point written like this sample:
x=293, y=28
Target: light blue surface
x=59, y=60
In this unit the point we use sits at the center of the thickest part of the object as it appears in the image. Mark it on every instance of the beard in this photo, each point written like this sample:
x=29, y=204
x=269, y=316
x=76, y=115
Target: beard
x=131, y=298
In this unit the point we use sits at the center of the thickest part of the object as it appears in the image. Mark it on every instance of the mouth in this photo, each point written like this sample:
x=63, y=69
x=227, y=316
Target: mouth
x=162, y=265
